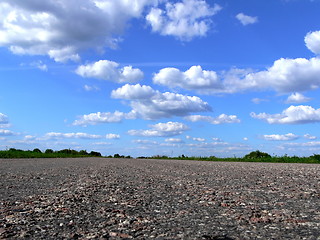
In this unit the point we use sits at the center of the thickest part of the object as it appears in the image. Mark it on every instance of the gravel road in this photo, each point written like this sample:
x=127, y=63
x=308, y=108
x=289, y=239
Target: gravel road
x=97, y=198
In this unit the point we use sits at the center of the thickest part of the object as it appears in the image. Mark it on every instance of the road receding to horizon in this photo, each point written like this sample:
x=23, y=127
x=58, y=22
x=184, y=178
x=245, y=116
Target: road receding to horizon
x=87, y=198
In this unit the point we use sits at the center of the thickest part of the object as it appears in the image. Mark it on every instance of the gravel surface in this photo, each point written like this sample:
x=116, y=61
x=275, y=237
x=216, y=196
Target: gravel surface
x=96, y=198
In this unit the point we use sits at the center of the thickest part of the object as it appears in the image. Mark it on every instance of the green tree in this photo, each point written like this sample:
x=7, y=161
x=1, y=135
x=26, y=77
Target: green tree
x=257, y=154
x=48, y=151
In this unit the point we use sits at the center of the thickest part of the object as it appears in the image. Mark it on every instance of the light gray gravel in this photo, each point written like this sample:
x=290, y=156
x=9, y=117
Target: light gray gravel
x=97, y=198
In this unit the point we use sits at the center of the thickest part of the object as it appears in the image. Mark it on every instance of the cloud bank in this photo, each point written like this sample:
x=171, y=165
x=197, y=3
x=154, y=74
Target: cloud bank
x=293, y=115
x=168, y=129
x=221, y=119
x=151, y=104
x=285, y=75
x=278, y=137
x=62, y=29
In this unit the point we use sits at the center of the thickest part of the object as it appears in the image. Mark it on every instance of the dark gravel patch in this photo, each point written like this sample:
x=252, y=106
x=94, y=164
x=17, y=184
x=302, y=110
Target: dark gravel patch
x=96, y=198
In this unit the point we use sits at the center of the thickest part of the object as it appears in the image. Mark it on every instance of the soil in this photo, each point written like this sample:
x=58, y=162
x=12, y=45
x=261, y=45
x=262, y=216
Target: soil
x=99, y=198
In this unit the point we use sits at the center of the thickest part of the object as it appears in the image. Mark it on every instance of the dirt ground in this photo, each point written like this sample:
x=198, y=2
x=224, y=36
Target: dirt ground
x=98, y=198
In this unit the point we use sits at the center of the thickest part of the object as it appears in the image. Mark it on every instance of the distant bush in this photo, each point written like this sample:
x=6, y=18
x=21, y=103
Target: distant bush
x=95, y=154
x=37, y=150
x=48, y=151
x=316, y=157
x=83, y=152
x=257, y=155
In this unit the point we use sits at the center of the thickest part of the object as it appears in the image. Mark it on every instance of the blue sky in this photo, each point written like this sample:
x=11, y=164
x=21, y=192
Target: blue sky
x=161, y=77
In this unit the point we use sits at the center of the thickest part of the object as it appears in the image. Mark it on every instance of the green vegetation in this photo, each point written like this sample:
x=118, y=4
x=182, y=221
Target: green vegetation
x=49, y=153
x=255, y=156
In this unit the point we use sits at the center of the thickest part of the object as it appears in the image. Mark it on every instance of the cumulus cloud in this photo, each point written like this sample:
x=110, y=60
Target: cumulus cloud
x=293, y=115
x=143, y=141
x=110, y=71
x=192, y=79
x=221, y=119
x=112, y=136
x=245, y=19
x=134, y=92
x=197, y=139
x=57, y=135
x=184, y=20
x=174, y=140
x=61, y=29
x=161, y=130
x=89, y=88
x=3, y=118
x=148, y=103
x=305, y=144
x=277, y=137
x=5, y=132
x=100, y=117
x=38, y=64
x=297, y=98
x=309, y=136
x=286, y=75
x=259, y=100
x=312, y=40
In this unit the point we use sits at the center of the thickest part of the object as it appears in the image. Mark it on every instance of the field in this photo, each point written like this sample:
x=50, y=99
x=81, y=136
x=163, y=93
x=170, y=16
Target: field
x=83, y=198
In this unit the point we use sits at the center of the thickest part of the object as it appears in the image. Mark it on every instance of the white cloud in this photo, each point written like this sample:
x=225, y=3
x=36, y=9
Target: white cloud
x=307, y=144
x=101, y=144
x=89, y=88
x=3, y=119
x=285, y=75
x=29, y=137
x=199, y=139
x=297, y=98
x=140, y=141
x=161, y=130
x=174, y=140
x=100, y=117
x=148, y=103
x=216, y=139
x=302, y=147
x=221, y=119
x=312, y=40
x=56, y=135
x=293, y=115
x=184, y=20
x=277, y=137
x=245, y=19
x=193, y=79
x=109, y=71
x=134, y=92
x=112, y=136
x=309, y=136
x=5, y=132
x=40, y=65
x=62, y=29
x=259, y=100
